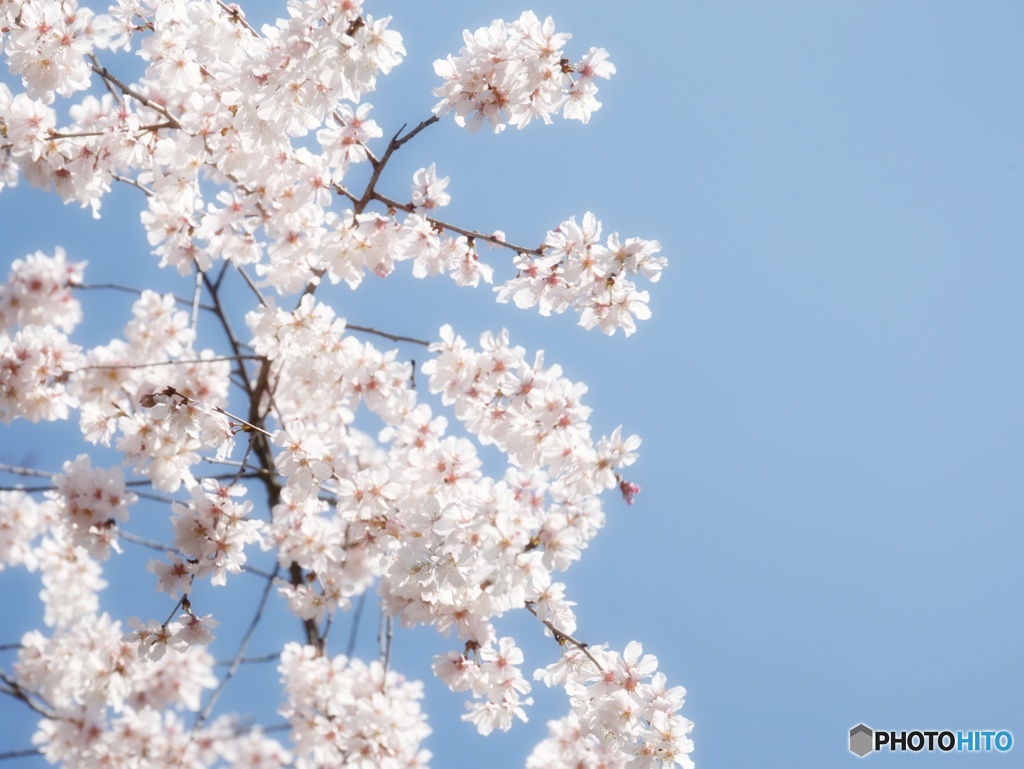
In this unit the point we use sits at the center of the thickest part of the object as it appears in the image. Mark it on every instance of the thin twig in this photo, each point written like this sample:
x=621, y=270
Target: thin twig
x=21, y=753
x=239, y=655
x=127, y=90
x=135, y=539
x=235, y=15
x=386, y=335
x=25, y=471
x=378, y=165
x=134, y=183
x=17, y=692
x=252, y=285
x=424, y=124
x=356, y=616
x=471, y=234
x=276, y=728
x=562, y=638
x=387, y=630
x=196, y=294
x=126, y=289
x=251, y=660
x=220, y=359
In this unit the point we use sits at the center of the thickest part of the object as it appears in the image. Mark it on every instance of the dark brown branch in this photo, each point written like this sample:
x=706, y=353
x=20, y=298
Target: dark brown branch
x=127, y=90
x=162, y=548
x=21, y=753
x=13, y=689
x=471, y=234
x=562, y=638
x=239, y=655
x=378, y=165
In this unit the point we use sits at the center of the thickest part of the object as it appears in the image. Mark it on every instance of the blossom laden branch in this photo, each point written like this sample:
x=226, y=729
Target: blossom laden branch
x=562, y=638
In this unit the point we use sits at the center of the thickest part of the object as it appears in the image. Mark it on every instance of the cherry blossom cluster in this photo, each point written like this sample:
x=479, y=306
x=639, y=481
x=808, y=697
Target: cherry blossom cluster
x=36, y=356
x=513, y=73
x=229, y=105
x=152, y=639
x=241, y=144
x=623, y=714
x=495, y=680
x=575, y=270
x=22, y=520
x=114, y=708
x=344, y=712
x=211, y=532
x=65, y=536
x=155, y=391
x=38, y=292
x=453, y=548
x=191, y=420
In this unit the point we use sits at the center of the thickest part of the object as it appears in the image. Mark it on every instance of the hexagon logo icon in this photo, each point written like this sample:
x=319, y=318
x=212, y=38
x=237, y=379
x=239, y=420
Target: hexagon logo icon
x=861, y=740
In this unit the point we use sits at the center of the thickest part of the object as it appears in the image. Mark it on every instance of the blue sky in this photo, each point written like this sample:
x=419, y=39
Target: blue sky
x=830, y=526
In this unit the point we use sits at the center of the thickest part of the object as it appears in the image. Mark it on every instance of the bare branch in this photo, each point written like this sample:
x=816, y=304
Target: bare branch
x=355, y=625
x=251, y=660
x=386, y=335
x=222, y=358
x=13, y=689
x=135, y=291
x=471, y=234
x=378, y=165
x=21, y=753
x=127, y=90
x=562, y=638
x=239, y=655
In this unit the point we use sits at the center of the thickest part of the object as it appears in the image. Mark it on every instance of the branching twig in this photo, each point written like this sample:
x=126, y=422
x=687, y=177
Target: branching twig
x=235, y=15
x=562, y=638
x=471, y=234
x=14, y=689
x=378, y=165
x=239, y=655
x=164, y=548
x=127, y=90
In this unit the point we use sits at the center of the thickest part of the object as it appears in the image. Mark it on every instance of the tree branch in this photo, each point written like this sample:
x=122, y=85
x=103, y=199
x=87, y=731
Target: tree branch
x=127, y=90
x=386, y=335
x=239, y=655
x=562, y=638
x=471, y=234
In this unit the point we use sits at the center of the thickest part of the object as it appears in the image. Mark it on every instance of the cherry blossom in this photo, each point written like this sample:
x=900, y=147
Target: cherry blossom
x=449, y=481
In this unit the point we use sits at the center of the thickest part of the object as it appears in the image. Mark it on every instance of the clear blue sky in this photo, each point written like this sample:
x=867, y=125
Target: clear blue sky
x=829, y=392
